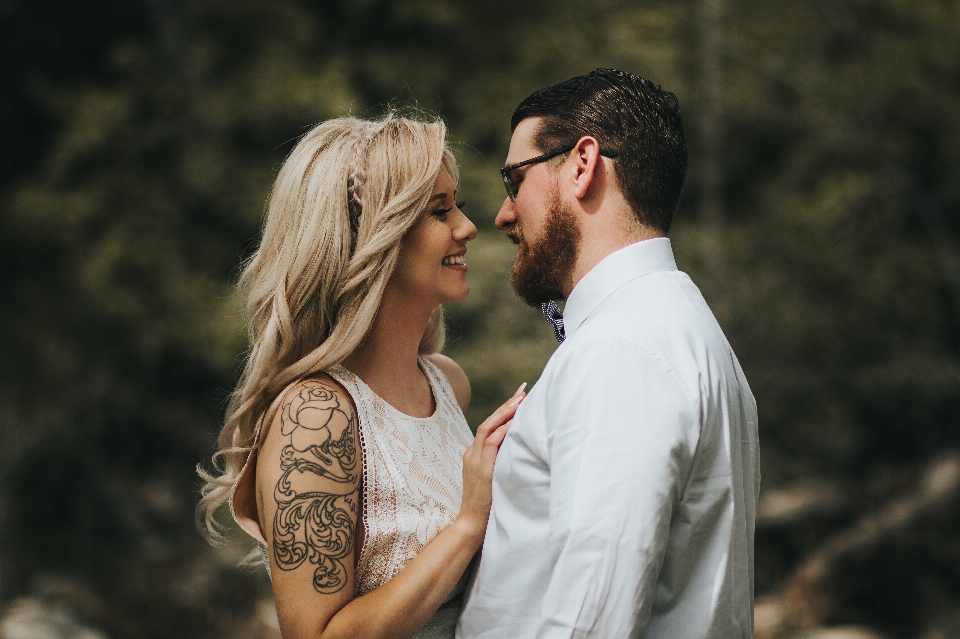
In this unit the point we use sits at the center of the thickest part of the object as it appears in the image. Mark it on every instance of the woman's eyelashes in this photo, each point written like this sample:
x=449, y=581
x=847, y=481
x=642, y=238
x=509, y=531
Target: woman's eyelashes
x=441, y=213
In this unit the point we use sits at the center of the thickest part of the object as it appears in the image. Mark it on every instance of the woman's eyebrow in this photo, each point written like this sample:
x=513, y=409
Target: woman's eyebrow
x=439, y=196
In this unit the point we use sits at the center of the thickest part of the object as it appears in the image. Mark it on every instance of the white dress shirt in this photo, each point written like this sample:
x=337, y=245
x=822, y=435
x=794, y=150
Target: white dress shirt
x=624, y=493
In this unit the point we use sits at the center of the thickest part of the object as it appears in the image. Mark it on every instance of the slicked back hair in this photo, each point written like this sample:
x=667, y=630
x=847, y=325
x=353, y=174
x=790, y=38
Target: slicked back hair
x=626, y=114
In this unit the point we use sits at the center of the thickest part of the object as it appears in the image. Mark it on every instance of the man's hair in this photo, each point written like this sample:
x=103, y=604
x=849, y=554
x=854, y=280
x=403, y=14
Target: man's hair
x=626, y=114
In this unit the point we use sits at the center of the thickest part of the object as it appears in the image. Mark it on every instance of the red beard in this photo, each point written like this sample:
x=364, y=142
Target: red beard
x=544, y=267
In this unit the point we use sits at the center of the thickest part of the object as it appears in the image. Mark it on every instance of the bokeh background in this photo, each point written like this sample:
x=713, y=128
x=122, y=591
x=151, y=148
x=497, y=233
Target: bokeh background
x=821, y=218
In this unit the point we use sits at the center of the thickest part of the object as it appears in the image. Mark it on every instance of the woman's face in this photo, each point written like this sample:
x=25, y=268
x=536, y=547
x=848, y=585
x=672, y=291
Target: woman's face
x=432, y=265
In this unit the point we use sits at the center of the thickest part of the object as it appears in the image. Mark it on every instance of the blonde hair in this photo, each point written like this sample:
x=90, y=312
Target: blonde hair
x=339, y=209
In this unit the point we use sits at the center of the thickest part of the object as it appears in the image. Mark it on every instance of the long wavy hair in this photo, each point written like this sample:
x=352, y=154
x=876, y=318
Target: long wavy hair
x=341, y=205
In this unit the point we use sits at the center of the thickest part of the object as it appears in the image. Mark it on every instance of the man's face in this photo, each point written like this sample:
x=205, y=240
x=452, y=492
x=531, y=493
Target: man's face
x=535, y=182
x=544, y=264
x=539, y=222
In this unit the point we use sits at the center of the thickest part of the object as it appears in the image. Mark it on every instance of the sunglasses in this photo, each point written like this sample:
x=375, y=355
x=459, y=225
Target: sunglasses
x=513, y=186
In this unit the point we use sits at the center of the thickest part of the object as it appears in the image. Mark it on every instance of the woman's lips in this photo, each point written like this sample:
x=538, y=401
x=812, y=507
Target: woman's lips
x=457, y=261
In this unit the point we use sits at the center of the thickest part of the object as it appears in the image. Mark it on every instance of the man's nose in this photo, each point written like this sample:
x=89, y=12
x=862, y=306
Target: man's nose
x=507, y=217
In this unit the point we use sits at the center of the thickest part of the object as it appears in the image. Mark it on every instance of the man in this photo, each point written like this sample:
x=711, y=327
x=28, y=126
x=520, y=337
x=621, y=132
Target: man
x=624, y=493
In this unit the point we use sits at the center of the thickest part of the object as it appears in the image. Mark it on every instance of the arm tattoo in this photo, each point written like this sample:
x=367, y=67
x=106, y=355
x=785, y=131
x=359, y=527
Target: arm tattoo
x=312, y=525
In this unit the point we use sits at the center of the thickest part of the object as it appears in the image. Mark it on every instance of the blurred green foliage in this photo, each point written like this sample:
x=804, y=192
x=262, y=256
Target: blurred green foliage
x=139, y=141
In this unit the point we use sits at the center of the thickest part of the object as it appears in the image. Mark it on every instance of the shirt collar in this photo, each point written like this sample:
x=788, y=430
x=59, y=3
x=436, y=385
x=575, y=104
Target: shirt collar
x=613, y=271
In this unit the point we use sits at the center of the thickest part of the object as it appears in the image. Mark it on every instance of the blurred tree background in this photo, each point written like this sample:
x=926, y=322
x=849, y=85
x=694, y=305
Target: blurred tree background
x=821, y=218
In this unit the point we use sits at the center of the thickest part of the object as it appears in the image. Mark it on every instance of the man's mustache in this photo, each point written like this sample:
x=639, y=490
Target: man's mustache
x=515, y=234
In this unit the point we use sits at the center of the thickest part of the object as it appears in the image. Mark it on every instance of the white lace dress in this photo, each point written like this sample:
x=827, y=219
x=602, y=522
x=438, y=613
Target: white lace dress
x=412, y=484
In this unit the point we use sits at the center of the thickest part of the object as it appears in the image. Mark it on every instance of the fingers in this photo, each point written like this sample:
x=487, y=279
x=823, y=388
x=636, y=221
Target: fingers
x=502, y=414
x=497, y=419
x=496, y=437
x=491, y=447
x=484, y=451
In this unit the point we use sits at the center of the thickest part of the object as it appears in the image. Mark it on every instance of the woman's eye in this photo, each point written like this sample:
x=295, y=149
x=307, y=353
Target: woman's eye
x=442, y=213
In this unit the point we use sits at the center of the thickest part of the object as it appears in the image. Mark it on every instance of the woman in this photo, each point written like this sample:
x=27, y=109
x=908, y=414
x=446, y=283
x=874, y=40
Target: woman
x=346, y=453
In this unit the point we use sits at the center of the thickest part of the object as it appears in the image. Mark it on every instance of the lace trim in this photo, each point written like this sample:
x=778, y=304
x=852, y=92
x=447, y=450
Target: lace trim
x=420, y=460
x=349, y=381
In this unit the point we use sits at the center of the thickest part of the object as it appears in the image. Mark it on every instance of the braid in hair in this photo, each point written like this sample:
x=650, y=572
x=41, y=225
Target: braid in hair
x=356, y=177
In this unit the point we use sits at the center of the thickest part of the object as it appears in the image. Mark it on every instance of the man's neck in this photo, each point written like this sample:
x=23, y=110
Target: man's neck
x=598, y=243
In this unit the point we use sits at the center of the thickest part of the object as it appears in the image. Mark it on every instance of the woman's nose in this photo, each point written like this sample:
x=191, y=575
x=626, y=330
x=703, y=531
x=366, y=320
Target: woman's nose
x=466, y=230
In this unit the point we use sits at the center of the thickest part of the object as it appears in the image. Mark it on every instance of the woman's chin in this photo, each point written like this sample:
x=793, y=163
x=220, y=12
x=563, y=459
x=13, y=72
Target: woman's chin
x=460, y=295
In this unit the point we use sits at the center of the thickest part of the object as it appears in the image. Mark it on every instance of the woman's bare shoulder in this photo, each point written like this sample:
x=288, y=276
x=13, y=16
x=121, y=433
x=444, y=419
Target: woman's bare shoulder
x=455, y=375
x=308, y=476
x=314, y=403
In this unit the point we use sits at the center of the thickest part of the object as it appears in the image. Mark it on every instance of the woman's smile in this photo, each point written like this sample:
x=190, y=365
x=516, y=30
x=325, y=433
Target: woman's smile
x=440, y=236
x=457, y=261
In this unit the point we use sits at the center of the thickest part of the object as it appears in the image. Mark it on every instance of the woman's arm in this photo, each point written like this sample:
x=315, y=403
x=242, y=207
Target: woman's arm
x=308, y=476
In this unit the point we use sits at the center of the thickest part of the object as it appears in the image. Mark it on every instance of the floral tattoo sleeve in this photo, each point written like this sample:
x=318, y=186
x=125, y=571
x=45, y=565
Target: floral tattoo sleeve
x=316, y=525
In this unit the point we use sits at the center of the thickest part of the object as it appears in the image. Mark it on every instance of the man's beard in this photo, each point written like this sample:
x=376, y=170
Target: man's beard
x=544, y=266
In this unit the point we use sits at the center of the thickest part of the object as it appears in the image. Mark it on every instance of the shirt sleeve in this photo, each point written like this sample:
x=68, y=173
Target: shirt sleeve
x=621, y=434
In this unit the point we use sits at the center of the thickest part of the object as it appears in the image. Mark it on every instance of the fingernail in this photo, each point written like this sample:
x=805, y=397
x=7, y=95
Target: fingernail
x=515, y=402
x=522, y=386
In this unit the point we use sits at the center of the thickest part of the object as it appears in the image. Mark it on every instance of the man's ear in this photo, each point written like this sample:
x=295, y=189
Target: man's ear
x=586, y=157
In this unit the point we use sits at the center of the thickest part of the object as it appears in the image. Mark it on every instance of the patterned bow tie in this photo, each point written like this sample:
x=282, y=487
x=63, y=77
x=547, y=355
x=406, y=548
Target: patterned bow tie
x=555, y=316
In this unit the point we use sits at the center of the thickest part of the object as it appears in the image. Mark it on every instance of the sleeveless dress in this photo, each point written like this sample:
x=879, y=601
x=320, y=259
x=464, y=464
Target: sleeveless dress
x=412, y=484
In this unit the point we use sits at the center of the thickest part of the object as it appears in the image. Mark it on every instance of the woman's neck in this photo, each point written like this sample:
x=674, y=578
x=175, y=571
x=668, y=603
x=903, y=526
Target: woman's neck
x=387, y=360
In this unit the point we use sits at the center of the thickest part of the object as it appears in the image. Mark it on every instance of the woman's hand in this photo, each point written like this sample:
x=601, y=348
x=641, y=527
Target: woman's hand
x=478, y=465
